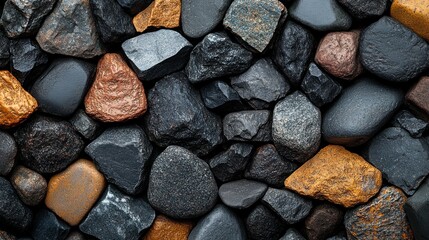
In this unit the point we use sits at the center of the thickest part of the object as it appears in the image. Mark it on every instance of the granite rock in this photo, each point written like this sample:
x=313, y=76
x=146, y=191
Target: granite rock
x=252, y=125
x=241, y=194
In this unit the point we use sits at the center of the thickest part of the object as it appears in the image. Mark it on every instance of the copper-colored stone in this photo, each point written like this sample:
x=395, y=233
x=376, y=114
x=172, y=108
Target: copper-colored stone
x=338, y=54
x=73, y=192
x=16, y=104
x=160, y=13
x=166, y=228
x=413, y=14
x=116, y=94
x=336, y=175
x=418, y=97
x=30, y=185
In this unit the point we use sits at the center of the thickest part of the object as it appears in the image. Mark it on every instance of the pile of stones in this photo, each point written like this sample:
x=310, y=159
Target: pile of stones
x=220, y=119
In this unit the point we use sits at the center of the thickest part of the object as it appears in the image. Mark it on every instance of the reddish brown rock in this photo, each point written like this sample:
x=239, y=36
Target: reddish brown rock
x=160, y=13
x=30, y=186
x=166, y=228
x=117, y=94
x=418, y=97
x=323, y=221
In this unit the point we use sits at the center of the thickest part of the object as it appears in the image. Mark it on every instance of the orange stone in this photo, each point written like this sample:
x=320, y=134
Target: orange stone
x=413, y=14
x=73, y=192
x=16, y=104
x=117, y=94
x=166, y=228
x=160, y=13
x=336, y=175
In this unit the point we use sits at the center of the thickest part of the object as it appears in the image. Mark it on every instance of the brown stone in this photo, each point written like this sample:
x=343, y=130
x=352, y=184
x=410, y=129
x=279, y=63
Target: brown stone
x=30, y=185
x=338, y=54
x=160, y=13
x=323, y=221
x=418, y=97
x=117, y=94
x=73, y=192
x=16, y=104
x=336, y=175
x=166, y=228
x=413, y=14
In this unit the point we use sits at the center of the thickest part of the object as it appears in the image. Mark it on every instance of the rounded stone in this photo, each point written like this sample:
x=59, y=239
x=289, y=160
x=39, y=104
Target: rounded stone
x=264, y=224
x=413, y=14
x=30, y=186
x=8, y=150
x=166, y=228
x=241, y=194
x=323, y=221
x=160, y=13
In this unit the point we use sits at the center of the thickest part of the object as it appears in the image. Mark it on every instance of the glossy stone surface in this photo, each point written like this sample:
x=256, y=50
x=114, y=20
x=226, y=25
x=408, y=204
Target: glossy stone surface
x=264, y=224
x=85, y=125
x=416, y=208
x=364, y=9
x=242, y=193
x=30, y=186
x=47, y=226
x=159, y=14
x=252, y=125
x=8, y=150
x=167, y=228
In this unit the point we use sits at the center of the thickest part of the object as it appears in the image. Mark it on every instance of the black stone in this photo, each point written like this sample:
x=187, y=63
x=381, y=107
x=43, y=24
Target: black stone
x=47, y=226
x=4, y=50
x=323, y=221
x=134, y=6
x=220, y=97
x=364, y=9
x=8, y=151
x=408, y=121
x=416, y=208
x=242, y=193
x=340, y=236
x=292, y=234
x=264, y=224
x=254, y=125
x=85, y=125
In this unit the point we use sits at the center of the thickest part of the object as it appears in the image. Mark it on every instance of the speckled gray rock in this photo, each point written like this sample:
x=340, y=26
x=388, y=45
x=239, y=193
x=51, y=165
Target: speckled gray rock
x=219, y=96
x=47, y=226
x=416, y=208
x=292, y=234
x=85, y=125
x=261, y=85
x=362, y=109
x=118, y=216
x=181, y=185
x=253, y=125
x=264, y=224
x=408, y=121
x=8, y=150
x=217, y=56
x=242, y=193
x=4, y=49
x=156, y=54
x=364, y=9
x=296, y=127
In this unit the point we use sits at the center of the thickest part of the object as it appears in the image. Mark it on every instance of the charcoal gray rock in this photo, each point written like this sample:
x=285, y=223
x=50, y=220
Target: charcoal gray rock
x=251, y=125
x=220, y=97
x=85, y=125
x=47, y=226
x=122, y=154
x=264, y=224
x=386, y=43
x=292, y=234
x=364, y=9
x=61, y=88
x=118, y=216
x=8, y=150
x=217, y=56
x=408, y=121
x=416, y=208
x=324, y=221
x=261, y=85
x=4, y=50
x=220, y=223
x=134, y=6
x=181, y=185
x=241, y=194
x=176, y=116
x=154, y=55
x=360, y=112
x=340, y=236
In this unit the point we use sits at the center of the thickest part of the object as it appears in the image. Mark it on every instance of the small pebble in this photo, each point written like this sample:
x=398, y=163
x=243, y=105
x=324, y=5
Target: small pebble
x=8, y=150
x=30, y=186
x=254, y=126
x=241, y=194
x=85, y=125
x=47, y=226
x=264, y=224
x=168, y=229
x=159, y=14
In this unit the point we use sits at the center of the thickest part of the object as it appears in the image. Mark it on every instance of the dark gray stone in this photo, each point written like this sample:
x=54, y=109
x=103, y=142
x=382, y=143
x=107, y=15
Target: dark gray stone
x=386, y=43
x=292, y=234
x=414, y=125
x=217, y=56
x=364, y=9
x=47, y=226
x=181, y=185
x=361, y=111
x=254, y=125
x=118, y=216
x=134, y=6
x=241, y=194
x=156, y=54
x=219, y=96
x=264, y=224
x=85, y=125
x=416, y=208
x=8, y=150
x=323, y=221
x=4, y=50
x=340, y=236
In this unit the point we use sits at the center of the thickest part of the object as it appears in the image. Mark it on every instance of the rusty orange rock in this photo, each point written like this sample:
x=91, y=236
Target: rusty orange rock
x=413, y=14
x=16, y=104
x=117, y=94
x=165, y=228
x=336, y=175
x=160, y=13
x=73, y=192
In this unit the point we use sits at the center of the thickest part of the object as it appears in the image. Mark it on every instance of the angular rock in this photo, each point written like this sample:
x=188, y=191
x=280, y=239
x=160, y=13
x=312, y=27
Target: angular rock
x=4, y=50
x=363, y=9
x=323, y=221
x=177, y=116
x=219, y=96
x=413, y=15
x=131, y=216
x=414, y=125
x=8, y=150
x=134, y=6
x=217, y=56
x=166, y=228
x=292, y=234
x=241, y=194
x=361, y=111
x=264, y=224
x=86, y=126
x=61, y=88
x=386, y=43
x=254, y=125
x=30, y=186
x=116, y=95
x=336, y=175
x=156, y=54
x=159, y=14
x=416, y=208
x=181, y=185
x=416, y=97
x=47, y=226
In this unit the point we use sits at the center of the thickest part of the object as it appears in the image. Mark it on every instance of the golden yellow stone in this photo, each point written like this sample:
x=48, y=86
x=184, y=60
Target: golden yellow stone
x=413, y=14
x=166, y=228
x=160, y=13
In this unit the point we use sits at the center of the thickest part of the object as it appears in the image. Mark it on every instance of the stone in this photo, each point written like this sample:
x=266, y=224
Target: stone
x=264, y=224
x=230, y=164
x=291, y=207
x=293, y=50
x=23, y=18
x=292, y=234
x=413, y=124
x=73, y=192
x=330, y=15
x=159, y=14
x=116, y=94
x=76, y=235
x=177, y=116
x=341, y=236
x=220, y=97
x=268, y=166
x=6, y=235
x=134, y=6
x=361, y=111
x=132, y=216
x=250, y=125
x=30, y=186
x=47, y=226
x=416, y=208
x=296, y=127
x=261, y=85
x=363, y=9
x=217, y=56
x=336, y=175
x=323, y=221
x=48, y=145
x=70, y=30
x=154, y=55
x=113, y=23
x=166, y=228
x=16, y=104
x=254, y=22
x=4, y=50
x=381, y=218
x=181, y=185
x=416, y=97
x=319, y=87
x=8, y=150
x=61, y=88
x=85, y=125
x=413, y=15
x=338, y=54
x=220, y=223
x=241, y=194
x=385, y=44
x=199, y=17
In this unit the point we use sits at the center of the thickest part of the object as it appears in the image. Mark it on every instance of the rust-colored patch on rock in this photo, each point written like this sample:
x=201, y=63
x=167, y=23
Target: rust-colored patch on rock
x=417, y=97
x=166, y=228
x=413, y=14
x=160, y=13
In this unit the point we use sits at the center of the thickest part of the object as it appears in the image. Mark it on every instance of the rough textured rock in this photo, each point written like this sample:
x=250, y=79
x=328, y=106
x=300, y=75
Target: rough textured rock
x=117, y=94
x=219, y=96
x=323, y=221
x=381, y=218
x=86, y=126
x=336, y=175
x=264, y=224
x=166, y=228
x=254, y=125
x=30, y=186
x=4, y=49
x=134, y=6
x=160, y=13
x=416, y=208
x=417, y=97
x=242, y=193
x=47, y=226
x=8, y=150
x=413, y=15
x=363, y=9
x=292, y=234
x=408, y=121
x=6, y=235
x=76, y=235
